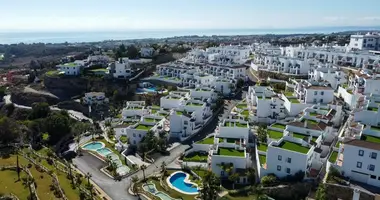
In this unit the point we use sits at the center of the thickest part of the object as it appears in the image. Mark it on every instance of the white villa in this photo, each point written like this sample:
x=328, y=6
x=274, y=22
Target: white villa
x=122, y=69
x=369, y=41
x=70, y=69
x=97, y=98
x=147, y=52
x=333, y=75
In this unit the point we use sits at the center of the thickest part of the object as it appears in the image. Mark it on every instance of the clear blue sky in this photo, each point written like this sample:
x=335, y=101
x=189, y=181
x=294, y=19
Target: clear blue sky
x=82, y=15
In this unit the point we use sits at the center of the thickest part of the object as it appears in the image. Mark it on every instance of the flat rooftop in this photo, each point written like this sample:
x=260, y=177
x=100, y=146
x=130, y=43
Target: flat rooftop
x=291, y=146
x=370, y=138
x=237, y=124
x=144, y=127
x=230, y=152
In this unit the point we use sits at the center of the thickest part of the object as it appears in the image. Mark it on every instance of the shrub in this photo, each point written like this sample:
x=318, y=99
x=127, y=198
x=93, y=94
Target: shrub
x=269, y=180
x=29, y=165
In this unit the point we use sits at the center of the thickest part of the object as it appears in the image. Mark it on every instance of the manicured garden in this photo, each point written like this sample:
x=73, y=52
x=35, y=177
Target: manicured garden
x=275, y=134
x=262, y=147
x=123, y=139
x=293, y=100
x=143, y=127
x=333, y=157
x=371, y=138
x=230, y=152
x=375, y=128
x=280, y=126
x=263, y=159
x=209, y=140
x=196, y=157
x=294, y=147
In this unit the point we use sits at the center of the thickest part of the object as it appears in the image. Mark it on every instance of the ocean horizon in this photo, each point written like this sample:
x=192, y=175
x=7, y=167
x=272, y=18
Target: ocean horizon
x=97, y=36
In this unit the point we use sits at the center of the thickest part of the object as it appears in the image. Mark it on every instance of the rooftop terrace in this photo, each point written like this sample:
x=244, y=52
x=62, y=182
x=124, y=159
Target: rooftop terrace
x=237, y=124
x=230, y=152
x=370, y=138
x=193, y=104
x=275, y=134
x=280, y=126
x=291, y=146
x=144, y=127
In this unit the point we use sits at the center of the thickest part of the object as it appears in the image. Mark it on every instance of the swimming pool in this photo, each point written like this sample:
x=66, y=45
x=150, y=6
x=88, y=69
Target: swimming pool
x=93, y=146
x=104, y=151
x=180, y=182
x=151, y=188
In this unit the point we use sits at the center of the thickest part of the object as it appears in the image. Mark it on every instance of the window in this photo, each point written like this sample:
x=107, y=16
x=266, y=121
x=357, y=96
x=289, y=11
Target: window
x=373, y=155
x=185, y=122
x=315, y=100
x=373, y=176
x=279, y=157
x=288, y=170
x=359, y=164
x=361, y=152
x=321, y=100
x=134, y=134
x=289, y=160
x=278, y=168
x=322, y=93
x=371, y=167
x=315, y=92
x=139, y=135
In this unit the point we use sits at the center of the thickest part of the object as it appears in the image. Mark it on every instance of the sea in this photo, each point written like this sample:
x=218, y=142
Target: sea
x=96, y=36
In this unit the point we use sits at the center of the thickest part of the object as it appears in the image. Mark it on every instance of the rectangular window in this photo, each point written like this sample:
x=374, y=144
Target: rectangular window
x=361, y=152
x=288, y=170
x=321, y=100
x=371, y=167
x=278, y=168
x=322, y=93
x=359, y=164
x=373, y=176
x=315, y=92
x=289, y=160
x=279, y=157
x=315, y=100
x=373, y=155
x=185, y=122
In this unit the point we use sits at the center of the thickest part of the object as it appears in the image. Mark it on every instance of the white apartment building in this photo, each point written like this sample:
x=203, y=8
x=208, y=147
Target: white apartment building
x=147, y=52
x=228, y=54
x=133, y=109
x=312, y=94
x=204, y=93
x=283, y=64
x=229, y=154
x=70, y=69
x=122, y=69
x=334, y=76
x=369, y=41
x=97, y=98
x=183, y=123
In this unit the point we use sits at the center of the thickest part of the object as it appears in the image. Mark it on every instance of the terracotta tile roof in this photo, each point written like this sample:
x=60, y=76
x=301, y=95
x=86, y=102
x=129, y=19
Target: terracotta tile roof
x=363, y=144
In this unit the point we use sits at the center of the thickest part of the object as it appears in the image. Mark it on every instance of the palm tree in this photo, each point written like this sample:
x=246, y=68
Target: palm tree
x=27, y=182
x=143, y=168
x=233, y=178
x=251, y=175
x=88, y=176
x=163, y=168
x=77, y=141
x=135, y=179
x=90, y=187
x=210, y=187
x=70, y=172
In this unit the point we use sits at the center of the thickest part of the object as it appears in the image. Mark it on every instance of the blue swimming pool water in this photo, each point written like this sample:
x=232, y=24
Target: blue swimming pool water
x=104, y=151
x=93, y=146
x=141, y=90
x=178, y=181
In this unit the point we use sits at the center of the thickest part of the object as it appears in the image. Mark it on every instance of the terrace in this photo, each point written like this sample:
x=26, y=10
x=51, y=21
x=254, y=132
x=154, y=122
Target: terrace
x=280, y=126
x=370, y=138
x=241, y=106
x=291, y=146
x=99, y=70
x=149, y=120
x=143, y=127
x=374, y=128
x=70, y=65
x=313, y=114
x=373, y=109
x=333, y=157
x=209, y=140
x=274, y=134
x=310, y=122
x=262, y=159
x=288, y=94
x=237, y=124
x=302, y=136
x=293, y=100
x=230, y=152
x=193, y=104
x=262, y=147
x=245, y=113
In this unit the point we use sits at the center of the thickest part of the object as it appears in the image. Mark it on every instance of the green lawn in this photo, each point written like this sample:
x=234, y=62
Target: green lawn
x=9, y=184
x=294, y=147
x=313, y=114
x=123, y=139
x=231, y=140
x=143, y=127
x=333, y=157
x=241, y=106
x=300, y=136
x=209, y=140
x=293, y=100
x=194, y=104
x=374, y=128
x=262, y=147
x=288, y=94
x=53, y=73
x=196, y=157
x=179, y=112
x=230, y=152
x=70, y=64
x=237, y=124
x=370, y=138
x=373, y=109
x=338, y=144
x=280, y=126
x=263, y=159
x=149, y=119
x=311, y=122
x=275, y=134
x=99, y=70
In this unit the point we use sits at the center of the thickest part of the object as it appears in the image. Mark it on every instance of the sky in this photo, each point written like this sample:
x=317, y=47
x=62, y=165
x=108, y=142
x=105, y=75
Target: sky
x=114, y=15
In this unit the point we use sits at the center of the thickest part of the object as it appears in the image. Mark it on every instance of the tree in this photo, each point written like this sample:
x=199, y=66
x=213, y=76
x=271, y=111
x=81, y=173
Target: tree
x=210, y=187
x=240, y=83
x=110, y=133
x=268, y=180
x=135, y=179
x=39, y=110
x=233, y=178
x=262, y=134
x=132, y=52
x=88, y=176
x=27, y=182
x=9, y=131
x=163, y=168
x=251, y=175
x=143, y=168
x=321, y=192
x=58, y=126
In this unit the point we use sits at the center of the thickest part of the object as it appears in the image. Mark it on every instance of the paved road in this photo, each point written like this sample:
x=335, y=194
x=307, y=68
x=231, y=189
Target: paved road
x=118, y=190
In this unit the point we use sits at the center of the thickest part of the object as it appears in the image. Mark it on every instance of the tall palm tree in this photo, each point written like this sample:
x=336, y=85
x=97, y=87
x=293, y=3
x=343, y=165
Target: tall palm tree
x=163, y=168
x=135, y=179
x=27, y=182
x=88, y=176
x=91, y=189
x=70, y=172
x=143, y=168
x=210, y=187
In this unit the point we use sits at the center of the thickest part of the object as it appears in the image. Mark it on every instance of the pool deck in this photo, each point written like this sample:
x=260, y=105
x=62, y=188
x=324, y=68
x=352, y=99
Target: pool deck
x=187, y=180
